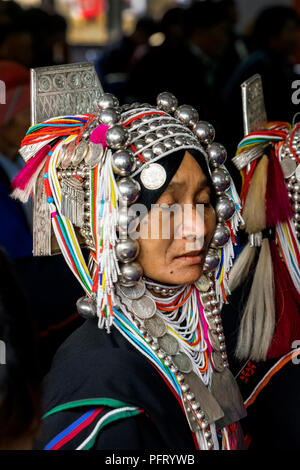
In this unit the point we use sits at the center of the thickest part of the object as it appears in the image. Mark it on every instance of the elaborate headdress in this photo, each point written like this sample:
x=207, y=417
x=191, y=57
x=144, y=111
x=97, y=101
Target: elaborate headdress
x=89, y=169
x=91, y=166
x=269, y=160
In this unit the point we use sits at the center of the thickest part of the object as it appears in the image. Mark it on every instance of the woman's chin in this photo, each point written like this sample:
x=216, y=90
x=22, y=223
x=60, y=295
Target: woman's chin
x=187, y=275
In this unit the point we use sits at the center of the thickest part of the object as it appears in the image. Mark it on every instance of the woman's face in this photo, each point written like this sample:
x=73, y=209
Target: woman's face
x=178, y=257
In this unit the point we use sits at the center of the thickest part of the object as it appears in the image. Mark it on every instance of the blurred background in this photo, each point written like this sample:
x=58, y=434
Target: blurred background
x=199, y=50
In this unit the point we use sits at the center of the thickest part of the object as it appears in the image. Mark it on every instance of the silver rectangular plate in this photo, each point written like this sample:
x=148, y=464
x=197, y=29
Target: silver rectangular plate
x=254, y=111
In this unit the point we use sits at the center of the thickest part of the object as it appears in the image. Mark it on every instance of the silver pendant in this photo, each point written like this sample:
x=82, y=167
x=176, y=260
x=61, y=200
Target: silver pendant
x=288, y=167
x=144, y=308
x=207, y=401
x=225, y=389
x=217, y=361
x=214, y=340
x=134, y=292
x=168, y=344
x=72, y=201
x=153, y=176
x=203, y=283
x=297, y=174
x=156, y=326
x=183, y=362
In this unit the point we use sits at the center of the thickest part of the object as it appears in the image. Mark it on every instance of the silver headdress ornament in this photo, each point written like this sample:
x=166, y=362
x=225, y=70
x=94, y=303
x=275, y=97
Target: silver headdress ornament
x=83, y=167
x=269, y=159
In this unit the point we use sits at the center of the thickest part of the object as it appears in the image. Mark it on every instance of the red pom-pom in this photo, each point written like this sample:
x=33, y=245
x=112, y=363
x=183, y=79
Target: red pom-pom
x=98, y=136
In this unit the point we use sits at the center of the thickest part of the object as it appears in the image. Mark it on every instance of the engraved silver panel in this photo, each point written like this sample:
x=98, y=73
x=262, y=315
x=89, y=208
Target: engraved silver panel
x=254, y=111
x=64, y=89
x=58, y=91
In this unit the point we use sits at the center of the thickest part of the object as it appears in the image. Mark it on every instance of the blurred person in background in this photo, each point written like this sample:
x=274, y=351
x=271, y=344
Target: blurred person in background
x=19, y=374
x=116, y=61
x=166, y=66
x=15, y=234
x=54, y=319
x=187, y=62
x=275, y=40
x=16, y=42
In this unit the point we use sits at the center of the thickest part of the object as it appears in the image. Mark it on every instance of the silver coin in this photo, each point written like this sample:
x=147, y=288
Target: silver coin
x=203, y=283
x=297, y=174
x=213, y=338
x=156, y=326
x=94, y=154
x=67, y=154
x=217, y=361
x=80, y=152
x=144, y=308
x=153, y=176
x=183, y=362
x=134, y=292
x=288, y=167
x=168, y=344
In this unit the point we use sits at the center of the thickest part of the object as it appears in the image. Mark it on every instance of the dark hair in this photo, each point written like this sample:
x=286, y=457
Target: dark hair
x=19, y=375
x=270, y=23
x=205, y=15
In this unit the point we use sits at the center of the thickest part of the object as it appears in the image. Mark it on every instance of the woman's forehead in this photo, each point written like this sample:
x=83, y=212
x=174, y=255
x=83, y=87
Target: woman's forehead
x=189, y=172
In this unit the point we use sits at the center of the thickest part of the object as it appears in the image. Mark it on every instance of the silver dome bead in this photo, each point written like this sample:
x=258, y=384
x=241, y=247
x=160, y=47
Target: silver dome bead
x=154, y=125
x=187, y=115
x=117, y=136
x=204, y=132
x=129, y=189
x=159, y=148
x=151, y=137
x=107, y=100
x=148, y=154
x=221, y=179
x=221, y=236
x=139, y=144
x=123, y=162
x=86, y=307
x=225, y=208
x=216, y=153
x=130, y=273
x=127, y=250
x=169, y=144
x=109, y=116
x=212, y=261
x=143, y=129
x=161, y=133
x=167, y=102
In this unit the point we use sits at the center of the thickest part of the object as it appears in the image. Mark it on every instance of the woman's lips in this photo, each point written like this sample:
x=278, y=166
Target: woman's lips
x=194, y=257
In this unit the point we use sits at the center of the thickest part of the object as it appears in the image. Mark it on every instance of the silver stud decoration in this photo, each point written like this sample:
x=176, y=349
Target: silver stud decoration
x=130, y=274
x=127, y=250
x=167, y=102
x=221, y=236
x=225, y=208
x=86, y=307
x=117, y=136
x=204, y=131
x=109, y=116
x=123, y=162
x=187, y=115
x=221, y=179
x=216, y=153
x=129, y=189
x=107, y=100
x=212, y=261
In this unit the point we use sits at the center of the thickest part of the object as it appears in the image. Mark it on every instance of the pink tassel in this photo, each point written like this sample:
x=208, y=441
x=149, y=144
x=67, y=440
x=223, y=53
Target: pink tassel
x=98, y=136
x=25, y=180
x=278, y=205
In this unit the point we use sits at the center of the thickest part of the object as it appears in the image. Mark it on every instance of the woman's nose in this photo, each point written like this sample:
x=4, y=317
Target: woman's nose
x=192, y=227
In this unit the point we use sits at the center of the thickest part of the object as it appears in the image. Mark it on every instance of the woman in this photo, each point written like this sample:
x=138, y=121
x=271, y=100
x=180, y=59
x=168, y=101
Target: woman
x=160, y=379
